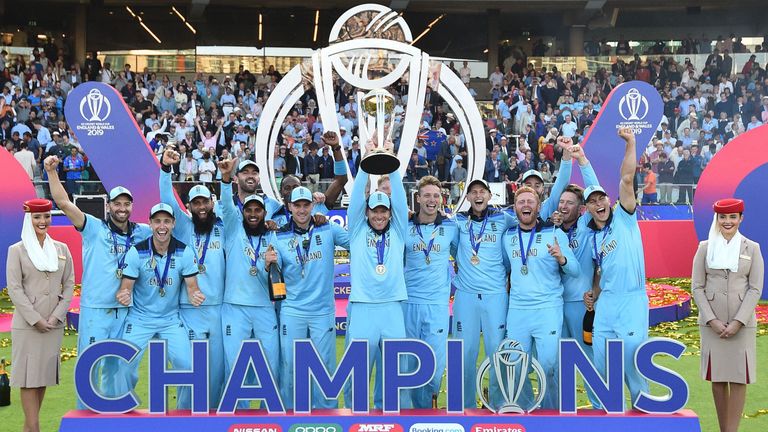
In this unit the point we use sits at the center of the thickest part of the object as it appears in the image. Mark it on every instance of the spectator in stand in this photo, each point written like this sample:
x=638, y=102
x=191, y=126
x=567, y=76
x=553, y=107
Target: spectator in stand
x=26, y=159
x=649, y=191
x=666, y=170
x=684, y=179
x=312, y=165
x=188, y=168
x=206, y=168
x=496, y=79
x=698, y=163
x=326, y=164
x=73, y=167
x=754, y=122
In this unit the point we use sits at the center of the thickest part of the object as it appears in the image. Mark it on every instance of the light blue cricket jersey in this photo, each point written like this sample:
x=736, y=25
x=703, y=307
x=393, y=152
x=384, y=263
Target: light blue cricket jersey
x=310, y=293
x=211, y=281
x=429, y=283
x=621, y=247
x=101, y=254
x=144, y=264
x=486, y=277
x=579, y=240
x=240, y=287
x=542, y=285
x=367, y=285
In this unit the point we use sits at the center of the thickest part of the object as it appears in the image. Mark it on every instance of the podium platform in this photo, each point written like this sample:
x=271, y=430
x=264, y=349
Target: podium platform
x=407, y=421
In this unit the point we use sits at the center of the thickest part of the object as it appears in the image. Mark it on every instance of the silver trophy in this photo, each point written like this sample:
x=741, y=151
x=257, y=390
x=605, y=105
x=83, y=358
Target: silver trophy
x=511, y=365
x=376, y=123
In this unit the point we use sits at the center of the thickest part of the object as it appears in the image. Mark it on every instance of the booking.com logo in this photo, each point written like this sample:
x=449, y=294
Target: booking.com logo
x=316, y=427
x=436, y=427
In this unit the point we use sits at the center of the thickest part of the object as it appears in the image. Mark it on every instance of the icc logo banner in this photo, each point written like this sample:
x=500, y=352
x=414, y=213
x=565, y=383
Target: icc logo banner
x=114, y=143
x=635, y=105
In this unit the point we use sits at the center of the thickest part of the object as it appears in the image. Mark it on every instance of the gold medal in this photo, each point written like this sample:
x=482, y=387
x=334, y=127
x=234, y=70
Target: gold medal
x=254, y=271
x=119, y=273
x=524, y=270
x=599, y=270
x=201, y=268
x=381, y=269
x=427, y=260
x=475, y=260
x=162, y=292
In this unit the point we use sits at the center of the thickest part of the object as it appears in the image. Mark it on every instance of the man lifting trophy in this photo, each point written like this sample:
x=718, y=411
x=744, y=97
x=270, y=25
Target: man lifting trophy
x=370, y=48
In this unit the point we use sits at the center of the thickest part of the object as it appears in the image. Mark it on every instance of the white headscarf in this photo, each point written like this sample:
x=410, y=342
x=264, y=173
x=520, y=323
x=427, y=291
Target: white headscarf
x=453, y=163
x=723, y=254
x=44, y=258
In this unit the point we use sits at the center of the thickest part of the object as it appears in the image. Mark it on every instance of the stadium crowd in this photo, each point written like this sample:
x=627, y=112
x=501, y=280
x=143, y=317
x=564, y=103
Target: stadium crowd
x=210, y=118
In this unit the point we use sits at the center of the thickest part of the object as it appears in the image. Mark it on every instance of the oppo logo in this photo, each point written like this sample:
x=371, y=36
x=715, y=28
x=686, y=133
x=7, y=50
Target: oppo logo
x=319, y=427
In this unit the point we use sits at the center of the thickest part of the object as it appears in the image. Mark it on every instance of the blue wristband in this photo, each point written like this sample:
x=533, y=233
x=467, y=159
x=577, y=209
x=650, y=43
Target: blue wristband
x=340, y=168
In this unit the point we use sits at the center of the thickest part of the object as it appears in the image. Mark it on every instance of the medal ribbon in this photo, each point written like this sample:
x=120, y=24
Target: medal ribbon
x=168, y=258
x=381, y=245
x=303, y=257
x=524, y=253
x=255, y=251
x=121, y=259
x=476, y=241
x=571, y=234
x=599, y=254
x=431, y=240
x=201, y=255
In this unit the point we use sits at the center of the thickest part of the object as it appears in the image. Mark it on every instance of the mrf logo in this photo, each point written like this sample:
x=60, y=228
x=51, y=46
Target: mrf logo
x=376, y=427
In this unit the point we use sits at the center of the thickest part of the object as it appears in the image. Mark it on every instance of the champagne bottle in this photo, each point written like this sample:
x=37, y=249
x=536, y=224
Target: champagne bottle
x=587, y=326
x=276, y=282
x=5, y=385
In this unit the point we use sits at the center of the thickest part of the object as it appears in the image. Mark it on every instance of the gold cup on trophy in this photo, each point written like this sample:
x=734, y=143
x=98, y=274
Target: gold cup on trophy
x=376, y=123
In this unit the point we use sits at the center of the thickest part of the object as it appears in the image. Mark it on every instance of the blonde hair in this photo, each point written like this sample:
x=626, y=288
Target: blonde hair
x=428, y=181
x=526, y=189
x=382, y=179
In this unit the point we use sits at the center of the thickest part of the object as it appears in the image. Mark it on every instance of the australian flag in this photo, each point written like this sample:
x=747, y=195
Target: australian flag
x=433, y=140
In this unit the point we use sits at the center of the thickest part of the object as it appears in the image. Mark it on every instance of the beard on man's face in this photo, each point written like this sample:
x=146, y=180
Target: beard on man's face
x=203, y=226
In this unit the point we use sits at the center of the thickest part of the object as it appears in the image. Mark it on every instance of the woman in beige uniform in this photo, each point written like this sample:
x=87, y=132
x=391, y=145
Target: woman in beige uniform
x=40, y=282
x=727, y=281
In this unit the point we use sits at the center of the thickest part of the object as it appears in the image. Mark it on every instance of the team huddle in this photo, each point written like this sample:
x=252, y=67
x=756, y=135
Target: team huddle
x=528, y=273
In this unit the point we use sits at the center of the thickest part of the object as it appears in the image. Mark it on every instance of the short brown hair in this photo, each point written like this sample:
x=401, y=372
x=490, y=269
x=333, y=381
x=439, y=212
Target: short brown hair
x=576, y=190
x=428, y=181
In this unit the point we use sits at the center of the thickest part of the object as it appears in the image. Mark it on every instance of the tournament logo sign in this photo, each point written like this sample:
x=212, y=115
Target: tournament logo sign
x=115, y=145
x=15, y=189
x=635, y=105
x=739, y=170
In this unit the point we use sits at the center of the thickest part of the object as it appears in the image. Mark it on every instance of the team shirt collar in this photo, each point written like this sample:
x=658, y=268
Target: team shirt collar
x=593, y=226
x=114, y=228
x=438, y=219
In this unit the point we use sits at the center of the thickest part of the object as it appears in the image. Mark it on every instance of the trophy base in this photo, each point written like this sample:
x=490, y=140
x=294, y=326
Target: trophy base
x=380, y=162
x=510, y=409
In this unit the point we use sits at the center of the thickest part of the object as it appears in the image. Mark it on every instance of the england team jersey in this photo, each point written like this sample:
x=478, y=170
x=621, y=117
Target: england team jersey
x=105, y=249
x=618, y=250
x=153, y=296
x=429, y=283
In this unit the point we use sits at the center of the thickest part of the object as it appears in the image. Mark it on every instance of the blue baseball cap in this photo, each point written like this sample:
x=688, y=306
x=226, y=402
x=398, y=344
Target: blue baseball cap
x=246, y=163
x=117, y=191
x=199, y=191
x=162, y=207
x=481, y=182
x=593, y=189
x=254, y=197
x=378, y=199
x=530, y=173
x=301, y=193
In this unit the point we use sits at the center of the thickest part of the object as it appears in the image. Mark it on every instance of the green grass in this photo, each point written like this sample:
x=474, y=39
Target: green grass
x=61, y=399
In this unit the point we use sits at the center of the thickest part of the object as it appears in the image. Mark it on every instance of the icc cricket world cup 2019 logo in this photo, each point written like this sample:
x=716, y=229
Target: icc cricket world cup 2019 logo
x=510, y=367
x=370, y=50
x=633, y=106
x=95, y=107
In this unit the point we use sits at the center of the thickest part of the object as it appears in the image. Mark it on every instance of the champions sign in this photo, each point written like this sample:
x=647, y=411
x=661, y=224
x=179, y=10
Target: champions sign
x=352, y=370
